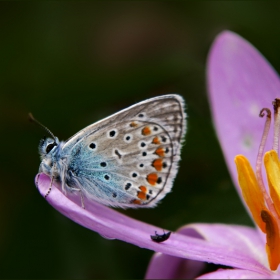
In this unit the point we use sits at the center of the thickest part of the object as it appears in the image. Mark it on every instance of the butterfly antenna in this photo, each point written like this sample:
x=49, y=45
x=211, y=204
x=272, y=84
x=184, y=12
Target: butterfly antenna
x=32, y=119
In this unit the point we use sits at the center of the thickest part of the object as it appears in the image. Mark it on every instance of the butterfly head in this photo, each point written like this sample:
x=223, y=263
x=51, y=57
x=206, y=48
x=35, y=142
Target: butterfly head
x=48, y=149
x=47, y=146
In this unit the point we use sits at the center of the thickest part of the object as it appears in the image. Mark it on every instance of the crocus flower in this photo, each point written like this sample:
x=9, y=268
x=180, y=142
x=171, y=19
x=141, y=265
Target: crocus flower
x=241, y=83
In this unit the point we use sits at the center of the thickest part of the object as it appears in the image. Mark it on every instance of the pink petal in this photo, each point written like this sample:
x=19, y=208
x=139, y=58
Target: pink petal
x=234, y=274
x=164, y=266
x=241, y=238
x=240, y=83
x=168, y=267
x=238, y=238
x=114, y=225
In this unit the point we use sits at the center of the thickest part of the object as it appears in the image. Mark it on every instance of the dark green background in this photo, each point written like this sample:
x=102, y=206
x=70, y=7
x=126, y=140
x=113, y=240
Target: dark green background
x=73, y=63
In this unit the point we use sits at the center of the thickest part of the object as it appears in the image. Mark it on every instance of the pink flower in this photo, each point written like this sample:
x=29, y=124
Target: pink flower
x=241, y=83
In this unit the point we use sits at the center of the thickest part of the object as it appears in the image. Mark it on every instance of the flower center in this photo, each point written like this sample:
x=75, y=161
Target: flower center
x=264, y=206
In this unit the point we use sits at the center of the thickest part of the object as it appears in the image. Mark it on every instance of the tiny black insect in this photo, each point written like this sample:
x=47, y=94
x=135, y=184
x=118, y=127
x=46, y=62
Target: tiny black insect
x=160, y=237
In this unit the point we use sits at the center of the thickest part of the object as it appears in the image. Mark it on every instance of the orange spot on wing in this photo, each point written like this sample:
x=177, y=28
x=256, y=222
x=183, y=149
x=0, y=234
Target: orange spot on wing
x=152, y=178
x=160, y=152
x=157, y=164
x=141, y=195
x=136, y=201
x=143, y=189
x=146, y=131
x=156, y=141
x=133, y=124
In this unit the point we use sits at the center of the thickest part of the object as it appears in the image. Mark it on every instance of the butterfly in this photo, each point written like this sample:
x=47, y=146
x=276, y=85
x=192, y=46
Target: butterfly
x=160, y=237
x=126, y=160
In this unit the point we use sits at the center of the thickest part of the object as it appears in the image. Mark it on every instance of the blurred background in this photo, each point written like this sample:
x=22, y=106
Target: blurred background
x=73, y=63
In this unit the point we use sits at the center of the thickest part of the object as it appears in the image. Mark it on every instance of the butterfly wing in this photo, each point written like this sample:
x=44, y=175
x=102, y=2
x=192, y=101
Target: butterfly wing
x=130, y=158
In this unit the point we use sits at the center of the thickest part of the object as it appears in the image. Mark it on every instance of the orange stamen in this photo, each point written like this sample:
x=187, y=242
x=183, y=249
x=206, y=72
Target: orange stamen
x=272, y=239
x=251, y=192
x=272, y=166
x=265, y=208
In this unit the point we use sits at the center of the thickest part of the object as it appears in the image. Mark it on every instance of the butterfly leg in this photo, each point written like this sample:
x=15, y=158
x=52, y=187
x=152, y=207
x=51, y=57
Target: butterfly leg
x=50, y=188
x=82, y=196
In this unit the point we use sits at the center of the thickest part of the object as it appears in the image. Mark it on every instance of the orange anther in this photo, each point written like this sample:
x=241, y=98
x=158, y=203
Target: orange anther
x=272, y=239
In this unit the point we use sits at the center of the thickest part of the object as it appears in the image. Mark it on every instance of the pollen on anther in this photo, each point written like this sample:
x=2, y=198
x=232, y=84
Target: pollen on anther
x=152, y=178
x=156, y=141
x=157, y=164
x=160, y=152
x=146, y=131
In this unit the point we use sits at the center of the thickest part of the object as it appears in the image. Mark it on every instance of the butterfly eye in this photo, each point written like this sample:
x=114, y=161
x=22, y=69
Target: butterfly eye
x=50, y=147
